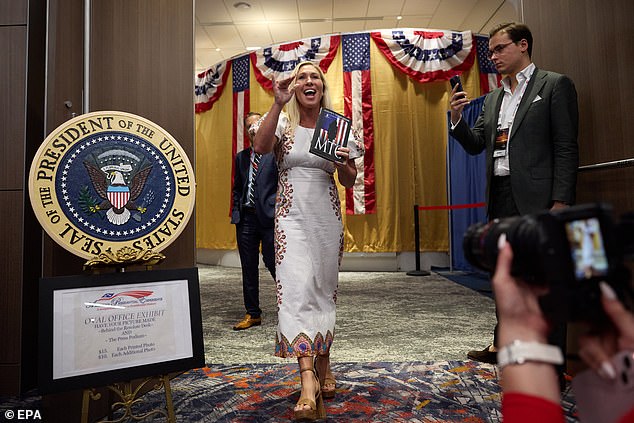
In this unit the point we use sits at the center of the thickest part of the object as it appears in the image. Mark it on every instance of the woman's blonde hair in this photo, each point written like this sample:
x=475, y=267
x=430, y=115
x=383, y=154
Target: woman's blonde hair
x=292, y=107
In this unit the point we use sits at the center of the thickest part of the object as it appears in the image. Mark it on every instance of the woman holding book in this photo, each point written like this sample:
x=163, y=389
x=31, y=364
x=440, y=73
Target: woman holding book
x=308, y=231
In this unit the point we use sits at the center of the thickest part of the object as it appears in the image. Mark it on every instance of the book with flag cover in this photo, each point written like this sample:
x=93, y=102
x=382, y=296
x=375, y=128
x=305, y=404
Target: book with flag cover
x=331, y=132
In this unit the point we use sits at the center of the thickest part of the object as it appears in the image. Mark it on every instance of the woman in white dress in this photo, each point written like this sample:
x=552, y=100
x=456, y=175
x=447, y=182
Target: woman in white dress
x=308, y=231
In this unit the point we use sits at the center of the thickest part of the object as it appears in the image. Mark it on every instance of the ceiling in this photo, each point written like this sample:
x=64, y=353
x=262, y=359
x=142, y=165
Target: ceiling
x=227, y=28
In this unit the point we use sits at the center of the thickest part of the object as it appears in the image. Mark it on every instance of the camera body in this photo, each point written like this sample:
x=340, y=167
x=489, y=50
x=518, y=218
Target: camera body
x=569, y=250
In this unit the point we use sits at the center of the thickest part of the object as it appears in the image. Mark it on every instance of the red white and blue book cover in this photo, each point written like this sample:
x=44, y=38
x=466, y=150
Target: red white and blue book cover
x=331, y=132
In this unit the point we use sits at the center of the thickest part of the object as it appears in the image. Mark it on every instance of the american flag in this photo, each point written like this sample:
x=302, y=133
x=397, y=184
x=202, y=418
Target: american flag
x=241, y=106
x=357, y=90
x=342, y=127
x=323, y=134
x=241, y=102
x=134, y=294
x=489, y=76
x=335, y=129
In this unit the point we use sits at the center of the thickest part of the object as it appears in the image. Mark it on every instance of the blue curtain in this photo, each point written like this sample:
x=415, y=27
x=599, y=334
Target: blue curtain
x=467, y=185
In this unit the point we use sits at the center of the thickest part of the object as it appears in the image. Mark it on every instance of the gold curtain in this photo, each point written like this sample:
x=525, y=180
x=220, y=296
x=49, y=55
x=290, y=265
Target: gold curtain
x=410, y=142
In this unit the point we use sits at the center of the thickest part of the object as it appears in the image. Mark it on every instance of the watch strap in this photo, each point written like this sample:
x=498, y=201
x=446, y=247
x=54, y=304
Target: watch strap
x=519, y=352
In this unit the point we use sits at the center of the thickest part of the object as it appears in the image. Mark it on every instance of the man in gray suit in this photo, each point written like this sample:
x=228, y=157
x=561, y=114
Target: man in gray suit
x=528, y=128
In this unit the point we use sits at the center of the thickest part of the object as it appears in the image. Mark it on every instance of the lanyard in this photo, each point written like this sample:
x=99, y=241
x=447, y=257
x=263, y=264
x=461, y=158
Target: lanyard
x=512, y=103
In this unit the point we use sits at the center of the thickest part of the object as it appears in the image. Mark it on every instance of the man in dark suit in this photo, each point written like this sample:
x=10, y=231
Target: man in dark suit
x=528, y=128
x=254, y=191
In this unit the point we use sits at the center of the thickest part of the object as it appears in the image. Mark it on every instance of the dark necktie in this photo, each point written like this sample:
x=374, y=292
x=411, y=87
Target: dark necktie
x=255, y=162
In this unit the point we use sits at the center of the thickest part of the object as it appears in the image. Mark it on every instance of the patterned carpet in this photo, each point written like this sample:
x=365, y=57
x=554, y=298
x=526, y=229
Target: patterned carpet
x=449, y=391
x=398, y=355
x=414, y=392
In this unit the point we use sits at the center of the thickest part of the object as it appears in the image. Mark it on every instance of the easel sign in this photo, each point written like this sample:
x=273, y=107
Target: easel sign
x=99, y=329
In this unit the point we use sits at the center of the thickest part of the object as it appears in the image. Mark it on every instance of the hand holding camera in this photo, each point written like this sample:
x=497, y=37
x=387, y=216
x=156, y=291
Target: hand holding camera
x=574, y=258
x=598, y=349
x=605, y=392
x=522, y=322
x=521, y=317
x=568, y=251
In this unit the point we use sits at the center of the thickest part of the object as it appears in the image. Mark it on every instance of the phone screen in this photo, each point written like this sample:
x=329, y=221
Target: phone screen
x=587, y=248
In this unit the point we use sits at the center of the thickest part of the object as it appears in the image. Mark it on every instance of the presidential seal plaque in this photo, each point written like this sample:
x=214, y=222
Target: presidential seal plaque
x=113, y=188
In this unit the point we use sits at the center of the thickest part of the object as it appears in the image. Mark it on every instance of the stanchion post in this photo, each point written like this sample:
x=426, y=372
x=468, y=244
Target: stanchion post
x=417, y=272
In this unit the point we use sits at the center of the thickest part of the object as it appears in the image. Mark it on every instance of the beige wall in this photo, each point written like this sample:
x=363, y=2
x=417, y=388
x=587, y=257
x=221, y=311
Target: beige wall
x=593, y=43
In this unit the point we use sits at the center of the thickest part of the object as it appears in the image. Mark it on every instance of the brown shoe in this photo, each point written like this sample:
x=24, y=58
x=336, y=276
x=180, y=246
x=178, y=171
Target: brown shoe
x=327, y=381
x=316, y=409
x=484, y=356
x=247, y=322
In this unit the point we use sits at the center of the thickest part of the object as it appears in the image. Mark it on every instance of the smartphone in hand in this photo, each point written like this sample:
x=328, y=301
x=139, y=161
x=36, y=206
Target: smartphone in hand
x=455, y=80
x=602, y=400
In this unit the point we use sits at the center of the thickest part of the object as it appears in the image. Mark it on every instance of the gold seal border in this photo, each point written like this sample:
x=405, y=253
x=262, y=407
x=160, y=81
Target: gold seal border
x=64, y=231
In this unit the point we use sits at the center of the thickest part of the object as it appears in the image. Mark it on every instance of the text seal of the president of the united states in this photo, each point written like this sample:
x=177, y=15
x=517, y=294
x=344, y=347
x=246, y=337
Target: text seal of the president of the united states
x=104, y=181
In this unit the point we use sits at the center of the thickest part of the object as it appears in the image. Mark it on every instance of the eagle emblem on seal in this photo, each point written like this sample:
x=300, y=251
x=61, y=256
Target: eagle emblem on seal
x=118, y=177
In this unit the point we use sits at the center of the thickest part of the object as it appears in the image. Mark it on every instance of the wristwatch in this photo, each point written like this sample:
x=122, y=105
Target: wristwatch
x=518, y=352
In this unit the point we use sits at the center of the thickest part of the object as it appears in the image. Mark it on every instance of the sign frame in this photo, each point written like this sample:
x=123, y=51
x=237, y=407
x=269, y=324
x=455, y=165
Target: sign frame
x=141, y=280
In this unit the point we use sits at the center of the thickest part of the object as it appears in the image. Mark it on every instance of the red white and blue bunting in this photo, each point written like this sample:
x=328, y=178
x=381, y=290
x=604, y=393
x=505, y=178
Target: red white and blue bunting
x=427, y=55
x=279, y=60
x=424, y=55
x=209, y=85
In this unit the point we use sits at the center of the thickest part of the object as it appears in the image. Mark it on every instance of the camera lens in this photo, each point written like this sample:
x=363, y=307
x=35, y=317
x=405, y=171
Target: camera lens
x=522, y=232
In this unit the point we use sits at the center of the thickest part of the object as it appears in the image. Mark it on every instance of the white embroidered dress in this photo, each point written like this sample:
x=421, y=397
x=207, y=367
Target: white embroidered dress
x=308, y=244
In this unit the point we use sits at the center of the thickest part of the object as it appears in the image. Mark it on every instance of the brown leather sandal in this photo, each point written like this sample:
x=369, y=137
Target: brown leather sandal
x=316, y=408
x=326, y=380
